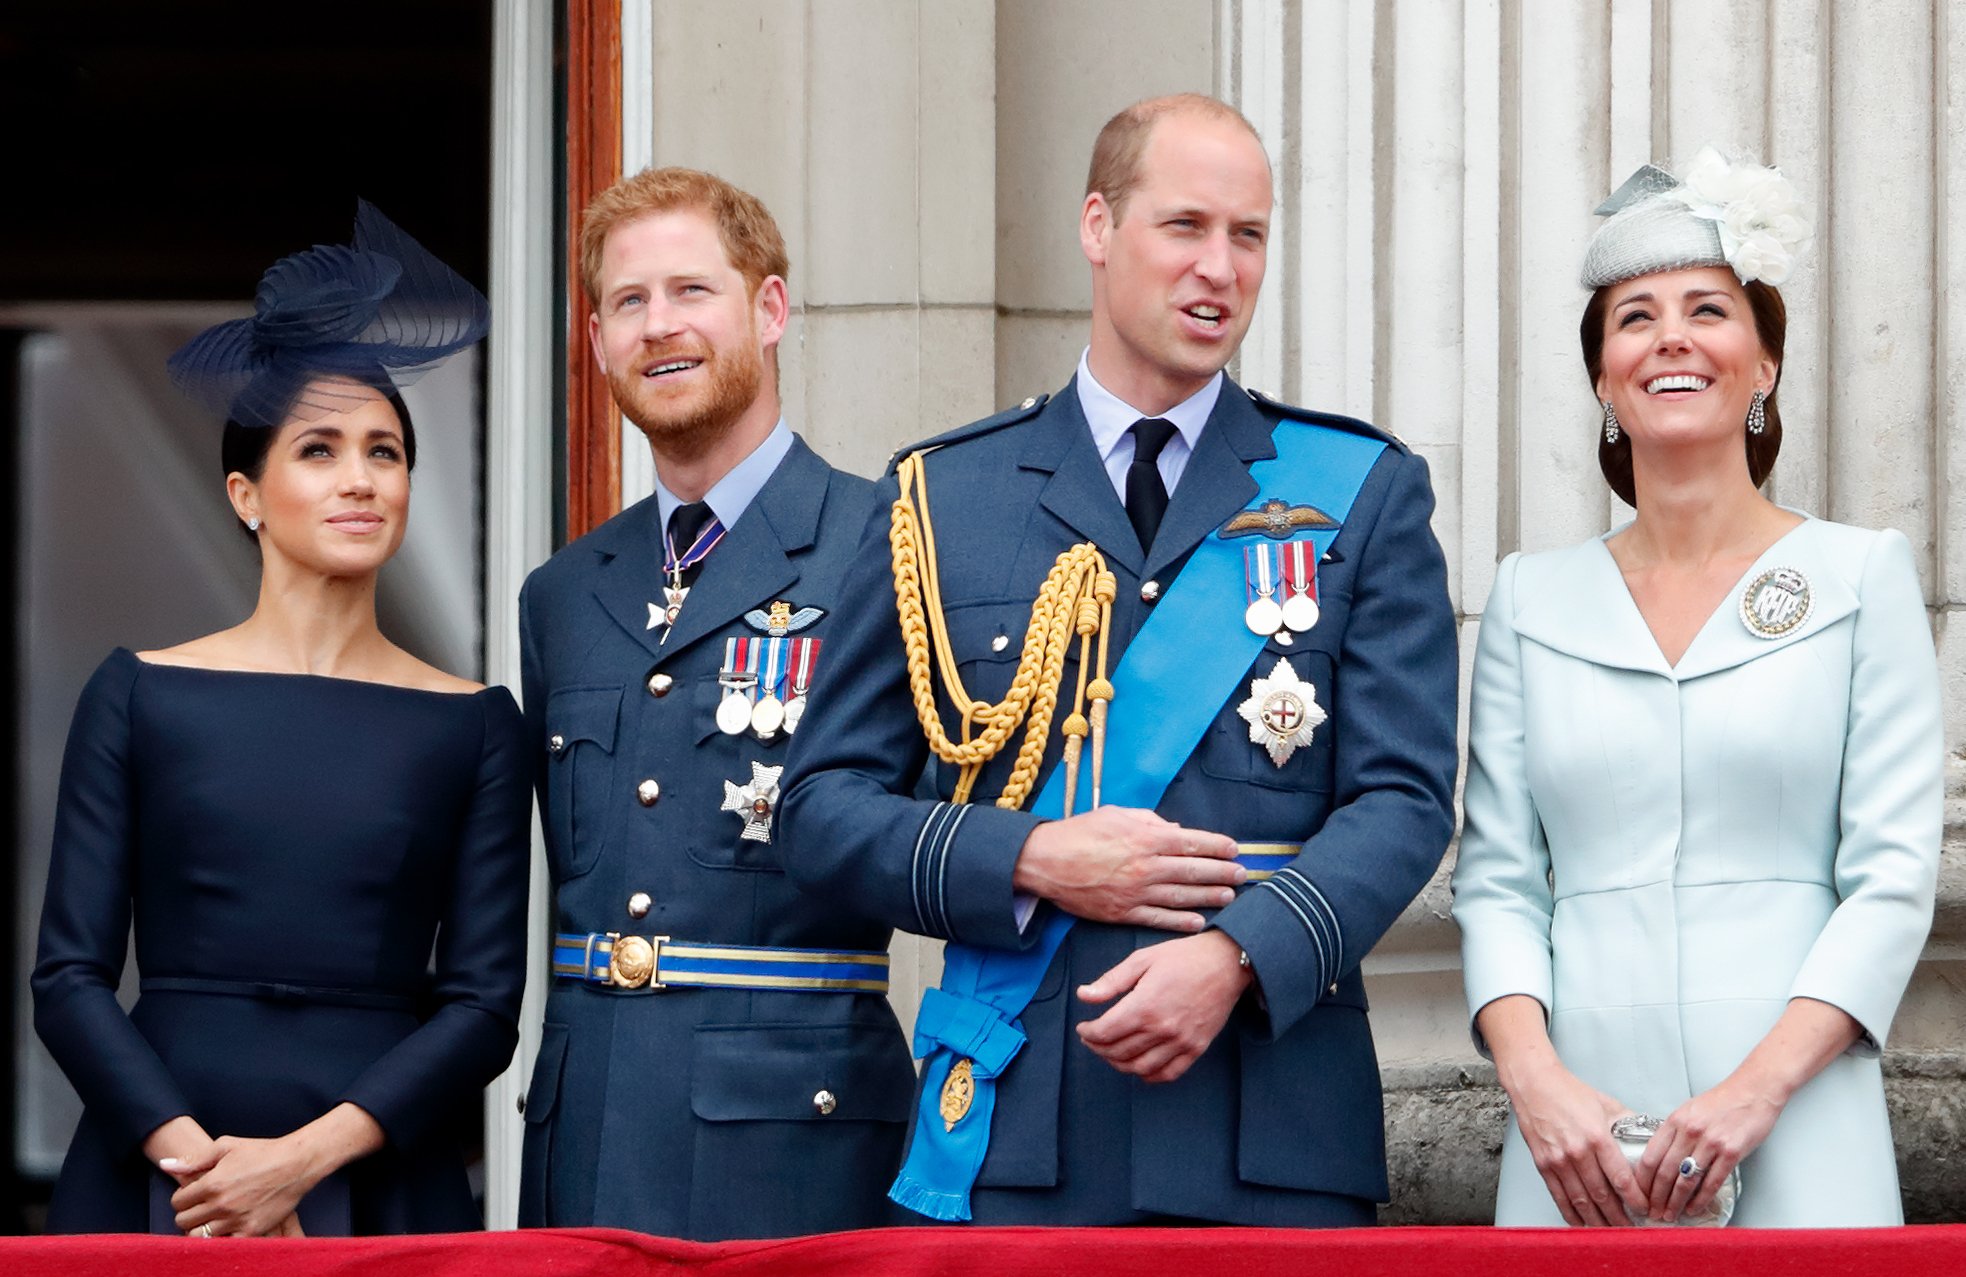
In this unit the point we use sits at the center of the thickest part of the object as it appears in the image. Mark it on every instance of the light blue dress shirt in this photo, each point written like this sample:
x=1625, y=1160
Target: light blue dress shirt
x=731, y=495
x=1112, y=417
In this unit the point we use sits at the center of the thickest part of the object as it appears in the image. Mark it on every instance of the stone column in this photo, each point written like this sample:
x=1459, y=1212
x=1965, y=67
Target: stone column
x=1436, y=165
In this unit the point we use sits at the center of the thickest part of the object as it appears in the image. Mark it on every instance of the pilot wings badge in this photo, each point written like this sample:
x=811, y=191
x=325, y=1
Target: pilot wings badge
x=1278, y=520
x=781, y=619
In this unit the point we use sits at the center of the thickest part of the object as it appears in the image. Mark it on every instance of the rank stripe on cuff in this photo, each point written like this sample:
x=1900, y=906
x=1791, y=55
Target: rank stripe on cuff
x=1315, y=912
x=929, y=872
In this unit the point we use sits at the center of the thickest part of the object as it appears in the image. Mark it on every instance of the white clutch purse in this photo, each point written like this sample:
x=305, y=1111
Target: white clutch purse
x=1633, y=1132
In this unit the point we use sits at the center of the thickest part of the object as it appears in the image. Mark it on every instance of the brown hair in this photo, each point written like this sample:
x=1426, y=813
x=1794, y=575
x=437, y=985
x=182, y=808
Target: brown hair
x=750, y=237
x=1116, y=153
x=1771, y=325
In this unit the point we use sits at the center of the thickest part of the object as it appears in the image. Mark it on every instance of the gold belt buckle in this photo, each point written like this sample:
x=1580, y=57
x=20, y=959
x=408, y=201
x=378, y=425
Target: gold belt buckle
x=632, y=961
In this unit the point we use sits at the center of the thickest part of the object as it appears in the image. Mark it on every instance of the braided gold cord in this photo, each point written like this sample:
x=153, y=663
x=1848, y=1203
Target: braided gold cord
x=1076, y=598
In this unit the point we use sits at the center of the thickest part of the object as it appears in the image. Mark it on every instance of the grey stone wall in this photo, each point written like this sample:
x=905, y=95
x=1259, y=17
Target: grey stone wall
x=1437, y=161
x=1444, y=1127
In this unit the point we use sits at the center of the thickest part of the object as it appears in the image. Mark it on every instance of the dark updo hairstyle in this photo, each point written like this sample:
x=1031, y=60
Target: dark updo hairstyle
x=244, y=449
x=1771, y=325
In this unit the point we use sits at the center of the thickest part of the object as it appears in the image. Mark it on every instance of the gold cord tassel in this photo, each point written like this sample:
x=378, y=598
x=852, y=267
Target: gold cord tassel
x=1076, y=598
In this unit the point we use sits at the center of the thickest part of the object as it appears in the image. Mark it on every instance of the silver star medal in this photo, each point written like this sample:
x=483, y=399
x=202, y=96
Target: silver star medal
x=1282, y=712
x=755, y=801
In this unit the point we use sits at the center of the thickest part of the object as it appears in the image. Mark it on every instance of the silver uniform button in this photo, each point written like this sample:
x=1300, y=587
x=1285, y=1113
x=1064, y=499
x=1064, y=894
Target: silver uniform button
x=1149, y=591
x=556, y=744
x=659, y=684
x=1000, y=642
x=824, y=1102
x=639, y=904
x=1030, y=403
x=647, y=792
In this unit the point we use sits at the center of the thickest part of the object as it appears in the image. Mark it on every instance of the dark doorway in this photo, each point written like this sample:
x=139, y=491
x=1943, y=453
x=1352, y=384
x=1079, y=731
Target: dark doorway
x=167, y=154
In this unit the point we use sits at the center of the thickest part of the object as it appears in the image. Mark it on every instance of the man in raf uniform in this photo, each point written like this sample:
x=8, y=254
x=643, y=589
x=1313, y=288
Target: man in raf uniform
x=1152, y=1010
x=718, y=1059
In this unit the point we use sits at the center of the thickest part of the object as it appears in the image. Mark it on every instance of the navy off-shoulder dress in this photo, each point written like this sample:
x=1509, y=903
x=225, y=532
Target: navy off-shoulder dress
x=294, y=850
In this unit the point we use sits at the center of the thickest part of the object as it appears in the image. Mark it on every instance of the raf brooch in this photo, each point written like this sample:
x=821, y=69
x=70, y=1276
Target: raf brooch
x=1282, y=712
x=1776, y=603
x=756, y=801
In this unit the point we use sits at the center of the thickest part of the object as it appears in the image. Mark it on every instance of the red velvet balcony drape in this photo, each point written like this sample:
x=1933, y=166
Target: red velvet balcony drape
x=1011, y=1252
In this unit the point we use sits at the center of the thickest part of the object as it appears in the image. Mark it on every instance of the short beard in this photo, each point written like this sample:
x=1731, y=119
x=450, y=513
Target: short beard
x=736, y=376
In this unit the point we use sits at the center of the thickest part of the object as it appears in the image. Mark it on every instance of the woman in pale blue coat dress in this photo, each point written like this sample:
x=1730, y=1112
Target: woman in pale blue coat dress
x=1704, y=798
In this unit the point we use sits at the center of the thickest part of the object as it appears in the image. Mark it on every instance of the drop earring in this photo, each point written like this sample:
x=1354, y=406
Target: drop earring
x=1610, y=423
x=1757, y=413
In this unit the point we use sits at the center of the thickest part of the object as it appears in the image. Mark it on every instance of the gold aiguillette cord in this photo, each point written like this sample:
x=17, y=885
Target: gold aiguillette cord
x=1076, y=598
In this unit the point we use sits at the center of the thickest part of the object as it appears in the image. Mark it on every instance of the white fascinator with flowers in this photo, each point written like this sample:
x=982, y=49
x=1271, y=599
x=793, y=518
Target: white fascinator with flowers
x=1720, y=212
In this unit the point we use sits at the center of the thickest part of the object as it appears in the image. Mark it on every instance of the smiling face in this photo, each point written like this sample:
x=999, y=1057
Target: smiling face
x=1176, y=267
x=334, y=494
x=1681, y=357
x=681, y=338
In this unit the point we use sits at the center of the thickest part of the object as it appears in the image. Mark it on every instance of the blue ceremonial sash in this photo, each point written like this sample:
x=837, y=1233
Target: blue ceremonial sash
x=1168, y=689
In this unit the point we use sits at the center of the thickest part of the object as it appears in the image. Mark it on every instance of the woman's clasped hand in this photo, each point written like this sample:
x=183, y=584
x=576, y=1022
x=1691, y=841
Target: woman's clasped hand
x=242, y=1188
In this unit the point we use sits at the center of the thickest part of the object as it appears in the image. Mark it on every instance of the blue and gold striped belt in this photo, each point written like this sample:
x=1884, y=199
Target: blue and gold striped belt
x=658, y=962
x=1262, y=859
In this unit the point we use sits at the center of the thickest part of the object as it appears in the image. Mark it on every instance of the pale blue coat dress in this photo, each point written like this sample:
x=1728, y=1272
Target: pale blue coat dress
x=1663, y=856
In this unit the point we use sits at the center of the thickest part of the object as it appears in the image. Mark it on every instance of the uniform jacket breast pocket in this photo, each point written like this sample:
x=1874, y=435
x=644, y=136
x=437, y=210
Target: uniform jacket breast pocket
x=800, y=1073
x=580, y=739
x=987, y=639
x=1228, y=753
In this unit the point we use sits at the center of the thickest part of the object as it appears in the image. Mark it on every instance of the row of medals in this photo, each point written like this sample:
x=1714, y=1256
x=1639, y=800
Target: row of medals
x=766, y=715
x=1298, y=612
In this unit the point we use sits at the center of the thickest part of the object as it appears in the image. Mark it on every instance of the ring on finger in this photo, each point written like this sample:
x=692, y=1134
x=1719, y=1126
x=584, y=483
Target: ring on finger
x=1690, y=1169
x=204, y=1230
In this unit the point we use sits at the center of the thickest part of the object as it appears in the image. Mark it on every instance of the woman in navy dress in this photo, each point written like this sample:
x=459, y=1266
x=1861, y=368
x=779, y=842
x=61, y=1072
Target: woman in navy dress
x=322, y=841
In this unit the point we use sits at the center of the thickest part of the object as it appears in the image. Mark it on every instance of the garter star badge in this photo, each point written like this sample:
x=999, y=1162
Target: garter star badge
x=756, y=801
x=1776, y=603
x=1282, y=712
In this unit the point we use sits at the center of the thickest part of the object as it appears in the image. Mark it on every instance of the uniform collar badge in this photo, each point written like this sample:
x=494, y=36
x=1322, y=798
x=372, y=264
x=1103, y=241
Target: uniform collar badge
x=782, y=618
x=1282, y=712
x=1776, y=603
x=1277, y=519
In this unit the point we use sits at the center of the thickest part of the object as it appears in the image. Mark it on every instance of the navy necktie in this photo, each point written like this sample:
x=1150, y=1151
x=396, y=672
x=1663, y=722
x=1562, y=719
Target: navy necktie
x=686, y=525
x=1146, y=494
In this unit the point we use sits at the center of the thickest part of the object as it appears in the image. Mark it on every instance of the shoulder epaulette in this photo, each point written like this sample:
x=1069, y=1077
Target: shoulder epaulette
x=1008, y=417
x=1336, y=421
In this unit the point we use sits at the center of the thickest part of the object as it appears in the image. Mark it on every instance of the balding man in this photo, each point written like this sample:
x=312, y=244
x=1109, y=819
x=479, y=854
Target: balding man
x=1184, y=664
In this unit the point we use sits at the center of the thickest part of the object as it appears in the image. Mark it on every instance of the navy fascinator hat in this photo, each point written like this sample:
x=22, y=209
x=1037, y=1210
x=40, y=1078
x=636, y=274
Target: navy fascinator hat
x=377, y=313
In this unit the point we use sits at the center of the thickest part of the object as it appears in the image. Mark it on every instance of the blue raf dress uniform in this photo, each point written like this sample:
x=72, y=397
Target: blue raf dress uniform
x=1279, y=1122
x=718, y=1058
